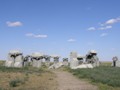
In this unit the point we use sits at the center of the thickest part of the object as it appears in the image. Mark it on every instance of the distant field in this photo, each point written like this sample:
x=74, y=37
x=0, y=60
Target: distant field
x=27, y=78
x=106, y=63
x=2, y=62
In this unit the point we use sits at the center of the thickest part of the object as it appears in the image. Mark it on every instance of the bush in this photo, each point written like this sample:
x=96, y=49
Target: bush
x=1, y=88
x=15, y=82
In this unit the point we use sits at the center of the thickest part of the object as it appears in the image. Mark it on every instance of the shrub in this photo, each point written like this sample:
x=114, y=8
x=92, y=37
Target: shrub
x=1, y=88
x=15, y=82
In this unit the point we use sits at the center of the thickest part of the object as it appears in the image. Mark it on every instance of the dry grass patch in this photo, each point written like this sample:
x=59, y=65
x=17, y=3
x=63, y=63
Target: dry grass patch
x=7, y=77
x=44, y=81
x=27, y=81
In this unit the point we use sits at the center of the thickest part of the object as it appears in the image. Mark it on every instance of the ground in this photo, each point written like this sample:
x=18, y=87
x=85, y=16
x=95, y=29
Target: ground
x=66, y=81
x=35, y=79
x=26, y=79
x=30, y=78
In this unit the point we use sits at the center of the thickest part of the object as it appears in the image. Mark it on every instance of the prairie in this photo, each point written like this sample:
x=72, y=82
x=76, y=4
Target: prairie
x=27, y=78
x=105, y=76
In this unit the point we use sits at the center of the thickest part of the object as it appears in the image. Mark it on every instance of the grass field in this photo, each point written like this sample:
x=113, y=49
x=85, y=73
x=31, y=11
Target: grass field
x=27, y=78
x=105, y=76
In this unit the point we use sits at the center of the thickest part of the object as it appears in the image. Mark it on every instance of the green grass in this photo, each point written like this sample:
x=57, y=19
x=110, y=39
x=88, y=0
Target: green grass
x=28, y=69
x=23, y=69
x=103, y=74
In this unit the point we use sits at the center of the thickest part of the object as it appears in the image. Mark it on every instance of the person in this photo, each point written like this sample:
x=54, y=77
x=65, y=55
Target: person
x=114, y=61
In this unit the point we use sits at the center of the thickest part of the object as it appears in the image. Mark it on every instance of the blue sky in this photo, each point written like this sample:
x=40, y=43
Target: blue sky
x=60, y=26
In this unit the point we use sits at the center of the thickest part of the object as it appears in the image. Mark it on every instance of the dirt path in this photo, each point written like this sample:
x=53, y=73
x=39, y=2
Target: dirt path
x=66, y=81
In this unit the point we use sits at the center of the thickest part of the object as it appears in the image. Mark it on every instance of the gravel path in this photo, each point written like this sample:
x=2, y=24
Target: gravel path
x=66, y=81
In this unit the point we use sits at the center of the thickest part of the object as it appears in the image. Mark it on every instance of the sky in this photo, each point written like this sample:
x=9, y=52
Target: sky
x=60, y=26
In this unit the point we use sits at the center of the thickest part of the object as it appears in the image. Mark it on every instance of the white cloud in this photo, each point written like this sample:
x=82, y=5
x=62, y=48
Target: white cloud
x=71, y=40
x=103, y=34
x=29, y=34
x=91, y=28
x=105, y=27
x=101, y=24
x=14, y=24
x=36, y=35
x=40, y=36
x=108, y=27
x=112, y=21
x=90, y=43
